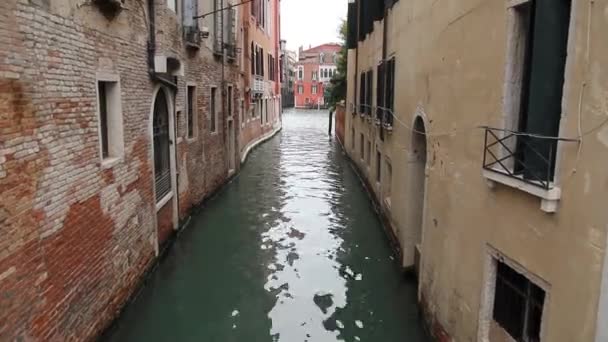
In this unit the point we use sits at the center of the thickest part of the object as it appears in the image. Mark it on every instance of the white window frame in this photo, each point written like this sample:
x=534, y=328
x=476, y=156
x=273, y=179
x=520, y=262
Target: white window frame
x=115, y=122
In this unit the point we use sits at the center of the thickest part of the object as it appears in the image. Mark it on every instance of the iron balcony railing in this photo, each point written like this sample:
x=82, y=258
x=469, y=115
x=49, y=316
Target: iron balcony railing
x=192, y=36
x=383, y=116
x=527, y=157
x=258, y=84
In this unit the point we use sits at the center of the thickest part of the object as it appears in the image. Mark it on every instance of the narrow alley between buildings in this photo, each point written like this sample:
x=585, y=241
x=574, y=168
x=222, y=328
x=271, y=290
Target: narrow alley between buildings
x=291, y=250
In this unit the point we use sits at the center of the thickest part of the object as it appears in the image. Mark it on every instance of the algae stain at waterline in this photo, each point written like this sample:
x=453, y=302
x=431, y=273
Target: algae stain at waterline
x=290, y=251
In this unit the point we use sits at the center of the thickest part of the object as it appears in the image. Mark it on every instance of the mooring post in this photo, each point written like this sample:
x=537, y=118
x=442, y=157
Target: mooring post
x=331, y=113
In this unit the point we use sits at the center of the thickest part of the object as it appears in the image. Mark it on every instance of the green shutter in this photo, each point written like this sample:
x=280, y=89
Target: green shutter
x=548, y=60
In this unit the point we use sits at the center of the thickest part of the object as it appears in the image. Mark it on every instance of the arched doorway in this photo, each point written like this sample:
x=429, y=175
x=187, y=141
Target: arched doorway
x=165, y=182
x=416, y=194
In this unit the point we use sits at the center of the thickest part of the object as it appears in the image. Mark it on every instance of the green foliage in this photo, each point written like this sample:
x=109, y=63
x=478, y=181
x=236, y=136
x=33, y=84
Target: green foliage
x=337, y=88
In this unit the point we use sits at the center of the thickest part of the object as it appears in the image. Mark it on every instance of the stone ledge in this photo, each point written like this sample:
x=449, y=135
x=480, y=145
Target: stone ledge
x=549, y=198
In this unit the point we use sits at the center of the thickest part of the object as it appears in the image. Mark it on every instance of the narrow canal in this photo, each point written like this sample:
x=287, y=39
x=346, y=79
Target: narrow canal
x=290, y=251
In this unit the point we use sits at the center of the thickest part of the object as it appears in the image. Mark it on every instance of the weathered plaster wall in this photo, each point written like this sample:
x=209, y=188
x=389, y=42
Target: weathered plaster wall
x=450, y=70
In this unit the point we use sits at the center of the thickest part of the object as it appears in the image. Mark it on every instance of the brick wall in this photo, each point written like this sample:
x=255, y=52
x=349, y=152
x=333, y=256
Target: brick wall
x=75, y=235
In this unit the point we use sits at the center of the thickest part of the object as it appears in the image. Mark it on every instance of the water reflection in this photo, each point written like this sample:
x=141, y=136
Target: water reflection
x=291, y=251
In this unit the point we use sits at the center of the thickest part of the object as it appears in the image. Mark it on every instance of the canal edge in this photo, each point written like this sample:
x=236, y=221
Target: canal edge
x=256, y=143
x=166, y=247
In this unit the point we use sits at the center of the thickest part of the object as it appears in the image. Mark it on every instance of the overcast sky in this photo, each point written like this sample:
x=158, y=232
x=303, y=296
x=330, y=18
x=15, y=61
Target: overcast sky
x=311, y=22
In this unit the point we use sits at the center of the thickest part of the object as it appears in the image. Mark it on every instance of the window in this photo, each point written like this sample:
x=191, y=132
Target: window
x=300, y=72
x=380, y=91
x=518, y=304
x=161, y=135
x=110, y=119
x=242, y=111
x=362, y=146
x=378, y=166
x=365, y=92
x=389, y=99
x=314, y=88
x=538, y=58
x=266, y=110
x=388, y=179
x=368, y=157
x=213, y=109
x=362, y=96
x=315, y=75
x=300, y=89
x=172, y=4
x=253, y=58
x=191, y=111
x=322, y=58
x=368, y=91
x=229, y=102
x=352, y=139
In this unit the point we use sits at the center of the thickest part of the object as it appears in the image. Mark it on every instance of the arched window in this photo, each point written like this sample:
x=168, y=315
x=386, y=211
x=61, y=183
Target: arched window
x=162, y=168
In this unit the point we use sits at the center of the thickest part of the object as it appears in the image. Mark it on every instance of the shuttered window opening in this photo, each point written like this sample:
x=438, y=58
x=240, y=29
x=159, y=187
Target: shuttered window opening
x=369, y=91
x=380, y=91
x=389, y=99
x=546, y=25
x=162, y=169
x=362, y=96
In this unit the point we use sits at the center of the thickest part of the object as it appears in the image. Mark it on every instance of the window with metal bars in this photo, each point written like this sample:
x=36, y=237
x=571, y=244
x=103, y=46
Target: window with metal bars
x=518, y=304
x=162, y=168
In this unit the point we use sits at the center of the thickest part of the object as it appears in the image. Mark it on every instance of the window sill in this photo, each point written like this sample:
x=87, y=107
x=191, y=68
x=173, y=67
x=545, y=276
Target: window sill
x=160, y=204
x=549, y=198
x=191, y=140
x=110, y=162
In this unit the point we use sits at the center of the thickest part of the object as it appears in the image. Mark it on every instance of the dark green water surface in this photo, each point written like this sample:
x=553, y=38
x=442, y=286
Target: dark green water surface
x=290, y=251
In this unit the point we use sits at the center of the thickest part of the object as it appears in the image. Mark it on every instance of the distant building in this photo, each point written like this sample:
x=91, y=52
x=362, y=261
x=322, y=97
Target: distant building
x=261, y=109
x=288, y=75
x=314, y=69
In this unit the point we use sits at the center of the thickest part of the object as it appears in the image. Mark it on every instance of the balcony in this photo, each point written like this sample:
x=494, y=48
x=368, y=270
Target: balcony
x=523, y=161
x=192, y=37
x=258, y=84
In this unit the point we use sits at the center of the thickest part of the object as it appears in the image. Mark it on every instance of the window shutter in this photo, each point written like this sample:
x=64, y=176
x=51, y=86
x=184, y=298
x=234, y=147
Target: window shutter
x=548, y=60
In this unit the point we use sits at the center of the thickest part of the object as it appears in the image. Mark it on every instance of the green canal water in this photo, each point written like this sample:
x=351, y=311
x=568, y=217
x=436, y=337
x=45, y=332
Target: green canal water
x=290, y=251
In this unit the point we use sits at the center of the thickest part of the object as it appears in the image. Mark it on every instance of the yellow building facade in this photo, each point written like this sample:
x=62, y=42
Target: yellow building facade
x=481, y=128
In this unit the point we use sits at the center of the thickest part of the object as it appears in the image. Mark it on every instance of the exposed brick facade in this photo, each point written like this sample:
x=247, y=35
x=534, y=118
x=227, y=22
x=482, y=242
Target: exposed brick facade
x=76, y=234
